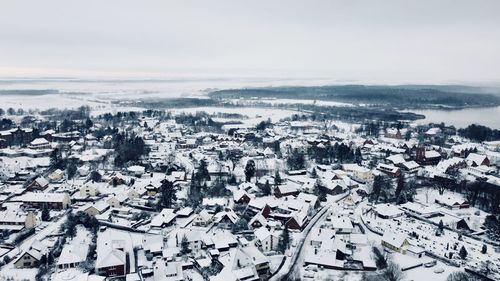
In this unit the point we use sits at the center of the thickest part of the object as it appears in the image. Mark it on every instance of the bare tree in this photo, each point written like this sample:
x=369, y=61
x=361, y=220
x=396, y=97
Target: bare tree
x=393, y=272
x=461, y=276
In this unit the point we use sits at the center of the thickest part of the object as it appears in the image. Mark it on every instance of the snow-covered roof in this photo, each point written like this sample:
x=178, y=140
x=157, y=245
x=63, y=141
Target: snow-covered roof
x=164, y=217
x=394, y=239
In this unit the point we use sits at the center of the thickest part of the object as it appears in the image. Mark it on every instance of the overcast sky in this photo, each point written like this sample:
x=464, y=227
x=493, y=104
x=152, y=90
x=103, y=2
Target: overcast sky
x=387, y=41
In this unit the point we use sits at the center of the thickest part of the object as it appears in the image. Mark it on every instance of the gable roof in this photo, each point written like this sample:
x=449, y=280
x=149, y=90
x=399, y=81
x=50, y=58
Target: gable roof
x=394, y=239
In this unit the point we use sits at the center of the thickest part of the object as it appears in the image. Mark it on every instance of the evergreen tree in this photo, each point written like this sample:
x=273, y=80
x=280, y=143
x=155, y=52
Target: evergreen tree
x=277, y=178
x=284, y=240
x=296, y=160
x=71, y=170
x=45, y=214
x=184, y=245
x=463, y=253
x=240, y=225
x=357, y=156
x=96, y=177
x=378, y=184
x=400, y=186
x=441, y=226
x=167, y=195
x=56, y=161
x=266, y=188
x=250, y=170
x=88, y=123
x=314, y=174
x=484, y=249
x=319, y=190
x=202, y=173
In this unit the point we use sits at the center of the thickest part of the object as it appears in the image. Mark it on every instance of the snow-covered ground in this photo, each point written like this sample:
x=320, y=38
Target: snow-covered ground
x=255, y=114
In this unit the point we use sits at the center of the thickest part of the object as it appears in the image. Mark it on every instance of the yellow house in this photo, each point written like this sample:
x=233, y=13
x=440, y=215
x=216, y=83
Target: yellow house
x=117, y=201
x=395, y=241
x=17, y=220
x=136, y=192
x=359, y=173
x=88, y=190
x=96, y=208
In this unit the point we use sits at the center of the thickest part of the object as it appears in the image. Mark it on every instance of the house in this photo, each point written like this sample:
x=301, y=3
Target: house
x=387, y=211
x=168, y=270
x=432, y=132
x=298, y=220
x=319, y=235
x=427, y=157
x=164, y=219
x=88, y=190
x=334, y=187
x=39, y=143
x=463, y=150
x=56, y=176
x=240, y=196
x=268, y=153
x=136, y=191
x=214, y=203
x=117, y=179
x=395, y=241
x=474, y=160
x=96, y=208
x=137, y=171
x=258, y=221
x=410, y=166
x=352, y=199
x=393, y=133
x=226, y=219
x=111, y=262
x=266, y=240
x=395, y=159
x=249, y=261
x=153, y=244
x=39, y=200
x=185, y=212
x=452, y=202
x=117, y=200
x=331, y=254
x=16, y=220
x=285, y=190
x=194, y=238
x=310, y=199
x=40, y=183
x=31, y=257
x=390, y=170
x=151, y=188
x=203, y=218
x=83, y=170
x=73, y=255
x=341, y=224
x=359, y=174
x=420, y=210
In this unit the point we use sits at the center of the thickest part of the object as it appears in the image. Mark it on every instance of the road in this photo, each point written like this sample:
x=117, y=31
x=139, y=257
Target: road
x=50, y=228
x=298, y=257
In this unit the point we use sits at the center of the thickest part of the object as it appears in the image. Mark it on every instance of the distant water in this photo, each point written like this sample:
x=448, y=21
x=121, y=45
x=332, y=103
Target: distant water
x=462, y=118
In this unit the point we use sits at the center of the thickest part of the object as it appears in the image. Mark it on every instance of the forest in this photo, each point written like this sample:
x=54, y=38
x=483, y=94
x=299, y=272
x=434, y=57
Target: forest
x=394, y=96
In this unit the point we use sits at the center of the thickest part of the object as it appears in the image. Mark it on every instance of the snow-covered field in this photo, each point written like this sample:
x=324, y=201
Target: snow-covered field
x=254, y=114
